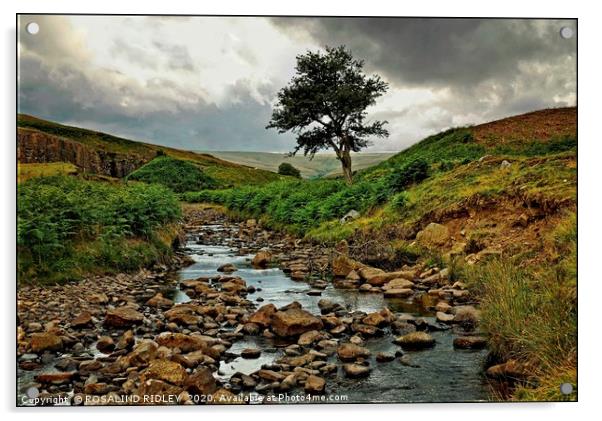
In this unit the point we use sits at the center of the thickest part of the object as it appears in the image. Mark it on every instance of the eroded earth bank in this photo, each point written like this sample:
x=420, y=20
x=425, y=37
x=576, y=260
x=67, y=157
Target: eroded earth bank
x=247, y=315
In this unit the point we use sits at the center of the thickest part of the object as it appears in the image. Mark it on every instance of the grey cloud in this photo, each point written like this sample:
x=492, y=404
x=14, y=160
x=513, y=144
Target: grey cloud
x=134, y=54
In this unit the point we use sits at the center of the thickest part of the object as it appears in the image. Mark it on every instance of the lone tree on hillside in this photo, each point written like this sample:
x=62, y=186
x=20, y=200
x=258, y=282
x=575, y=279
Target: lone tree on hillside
x=325, y=105
x=287, y=169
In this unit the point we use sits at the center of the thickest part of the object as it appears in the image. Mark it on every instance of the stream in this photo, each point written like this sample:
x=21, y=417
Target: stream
x=441, y=374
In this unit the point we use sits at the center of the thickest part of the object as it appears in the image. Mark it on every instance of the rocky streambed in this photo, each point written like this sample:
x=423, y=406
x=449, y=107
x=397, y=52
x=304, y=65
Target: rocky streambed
x=251, y=316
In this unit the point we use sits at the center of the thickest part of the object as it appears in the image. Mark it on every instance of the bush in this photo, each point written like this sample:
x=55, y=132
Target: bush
x=64, y=224
x=179, y=175
x=409, y=173
x=399, y=201
x=287, y=169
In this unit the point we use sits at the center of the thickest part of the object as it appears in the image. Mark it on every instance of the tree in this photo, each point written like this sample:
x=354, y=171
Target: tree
x=287, y=169
x=325, y=105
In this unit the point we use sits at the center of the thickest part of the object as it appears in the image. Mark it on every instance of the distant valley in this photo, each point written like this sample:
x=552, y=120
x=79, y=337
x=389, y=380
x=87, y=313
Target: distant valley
x=322, y=165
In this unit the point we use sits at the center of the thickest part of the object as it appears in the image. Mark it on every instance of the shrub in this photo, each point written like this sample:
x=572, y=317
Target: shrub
x=179, y=175
x=399, y=201
x=287, y=169
x=409, y=173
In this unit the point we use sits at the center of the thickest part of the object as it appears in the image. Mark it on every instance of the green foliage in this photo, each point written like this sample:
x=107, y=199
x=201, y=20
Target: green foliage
x=67, y=226
x=179, y=175
x=287, y=169
x=399, y=201
x=297, y=205
x=408, y=173
x=325, y=105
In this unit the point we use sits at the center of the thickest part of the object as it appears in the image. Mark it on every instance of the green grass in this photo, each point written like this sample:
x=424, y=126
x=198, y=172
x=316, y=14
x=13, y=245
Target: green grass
x=178, y=175
x=68, y=227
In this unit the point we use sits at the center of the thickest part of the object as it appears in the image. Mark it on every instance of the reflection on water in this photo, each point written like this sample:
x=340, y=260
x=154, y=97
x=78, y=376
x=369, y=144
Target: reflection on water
x=441, y=374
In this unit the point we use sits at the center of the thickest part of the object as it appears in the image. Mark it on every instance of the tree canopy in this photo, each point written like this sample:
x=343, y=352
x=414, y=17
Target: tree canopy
x=325, y=104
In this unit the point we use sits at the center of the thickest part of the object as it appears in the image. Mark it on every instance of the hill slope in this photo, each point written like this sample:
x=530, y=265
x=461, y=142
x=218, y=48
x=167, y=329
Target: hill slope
x=41, y=141
x=322, y=165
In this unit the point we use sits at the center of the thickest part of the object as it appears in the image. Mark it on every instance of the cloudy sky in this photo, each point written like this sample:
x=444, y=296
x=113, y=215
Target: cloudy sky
x=208, y=83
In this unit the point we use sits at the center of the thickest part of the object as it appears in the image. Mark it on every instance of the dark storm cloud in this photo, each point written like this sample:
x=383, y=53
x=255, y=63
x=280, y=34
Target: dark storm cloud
x=439, y=52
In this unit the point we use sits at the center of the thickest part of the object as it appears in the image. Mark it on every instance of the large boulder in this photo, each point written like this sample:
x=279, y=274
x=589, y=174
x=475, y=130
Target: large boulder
x=262, y=259
x=381, y=279
x=433, y=235
x=356, y=370
x=263, y=316
x=398, y=283
x=294, y=322
x=123, y=317
x=415, y=340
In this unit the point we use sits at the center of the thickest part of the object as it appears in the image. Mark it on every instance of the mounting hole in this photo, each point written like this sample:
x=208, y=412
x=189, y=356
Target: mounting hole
x=32, y=28
x=566, y=388
x=566, y=32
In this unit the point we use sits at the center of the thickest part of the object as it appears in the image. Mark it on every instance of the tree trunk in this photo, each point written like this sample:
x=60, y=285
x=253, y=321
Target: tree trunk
x=346, y=163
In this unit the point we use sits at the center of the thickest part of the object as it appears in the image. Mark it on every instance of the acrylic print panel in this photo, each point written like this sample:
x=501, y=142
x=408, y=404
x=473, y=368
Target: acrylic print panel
x=221, y=210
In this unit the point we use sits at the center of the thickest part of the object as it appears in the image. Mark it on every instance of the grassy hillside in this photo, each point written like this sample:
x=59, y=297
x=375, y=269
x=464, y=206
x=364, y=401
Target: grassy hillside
x=226, y=173
x=27, y=171
x=506, y=193
x=322, y=165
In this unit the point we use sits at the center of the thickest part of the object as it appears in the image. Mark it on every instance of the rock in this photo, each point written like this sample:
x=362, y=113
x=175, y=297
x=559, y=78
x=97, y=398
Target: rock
x=444, y=317
x=398, y=293
x=375, y=319
x=186, y=343
x=84, y=319
x=201, y=382
x=250, y=353
x=327, y=306
x=433, y=235
x=270, y=375
x=55, y=378
x=294, y=322
x=356, y=370
x=105, y=344
x=159, y=301
x=263, y=316
x=165, y=370
x=342, y=265
x=511, y=370
x=415, y=340
x=123, y=317
x=383, y=278
x=100, y=298
x=314, y=384
x=384, y=357
x=368, y=272
x=398, y=283
x=143, y=353
x=467, y=316
x=309, y=338
x=262, y=259
x=505, y=164
x=351, y=352
x=443, y=307
x=228, y=268
x=225, y=397
x=350, y=216
x=46, y=341
x=314, y=292
x=127, y=340
x=470, y=342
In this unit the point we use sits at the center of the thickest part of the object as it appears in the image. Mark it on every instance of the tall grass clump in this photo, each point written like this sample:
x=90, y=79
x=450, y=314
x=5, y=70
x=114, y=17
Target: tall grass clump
x=68, y=227
x=531, y=316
